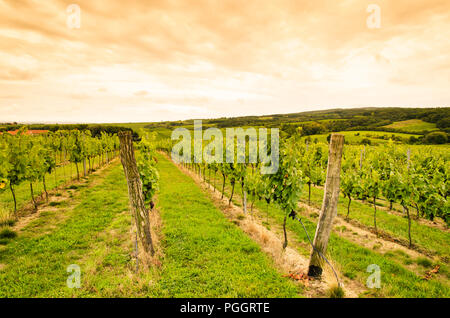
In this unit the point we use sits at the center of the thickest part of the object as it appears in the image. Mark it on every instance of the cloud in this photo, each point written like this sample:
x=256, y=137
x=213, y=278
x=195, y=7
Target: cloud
x=272, y=55
x=15, y=74
x=140, y=93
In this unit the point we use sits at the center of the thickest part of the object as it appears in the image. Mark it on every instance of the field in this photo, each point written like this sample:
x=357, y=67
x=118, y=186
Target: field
x=199, y=259
x=412, y=125
x=225, y=157
x=375, y=137
x=222, y=230
x=355, y=247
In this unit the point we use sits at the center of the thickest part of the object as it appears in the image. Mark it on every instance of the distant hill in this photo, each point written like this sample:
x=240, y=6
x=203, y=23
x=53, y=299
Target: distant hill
x=391, y=119
x=413, y=121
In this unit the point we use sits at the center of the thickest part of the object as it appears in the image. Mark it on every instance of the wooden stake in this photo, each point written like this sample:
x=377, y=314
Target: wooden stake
x=329, y=206
x=135, y=195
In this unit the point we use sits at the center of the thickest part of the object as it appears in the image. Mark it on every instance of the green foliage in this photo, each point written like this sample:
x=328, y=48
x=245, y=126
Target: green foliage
x=146, y=163
x=425, y=262
x=286, y=183
x=437, y=137
x=4, y=163
x=7, y=233
x=27, y=157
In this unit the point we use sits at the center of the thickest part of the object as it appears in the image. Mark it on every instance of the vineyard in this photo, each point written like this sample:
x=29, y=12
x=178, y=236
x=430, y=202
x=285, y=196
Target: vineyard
x=30, y=161
x=219, y=229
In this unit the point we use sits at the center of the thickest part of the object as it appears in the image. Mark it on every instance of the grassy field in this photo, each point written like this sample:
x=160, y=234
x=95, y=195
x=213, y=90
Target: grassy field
x=204, y=254
x=412, y=125
x=201, y=252
x=356, y=137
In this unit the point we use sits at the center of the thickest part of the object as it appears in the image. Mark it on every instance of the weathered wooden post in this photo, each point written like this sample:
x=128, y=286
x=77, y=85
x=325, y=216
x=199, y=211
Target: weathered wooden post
x=135, y=195
x=329, y=206
x=84, y=167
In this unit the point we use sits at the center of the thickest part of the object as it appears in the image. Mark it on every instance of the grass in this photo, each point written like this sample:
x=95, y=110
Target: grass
x=335, y=292
x=353, y=259
x=36, y=264
x=7, y=233
x=412, y=125
x=356, y=137
x=425, y=262
x=205, y=254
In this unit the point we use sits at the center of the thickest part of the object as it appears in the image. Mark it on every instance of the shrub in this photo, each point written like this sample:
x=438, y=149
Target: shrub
x=7, y=222
x=335, y=292
x=437, y=137
x=7, y=233
x=425, y=262
x=350, y=275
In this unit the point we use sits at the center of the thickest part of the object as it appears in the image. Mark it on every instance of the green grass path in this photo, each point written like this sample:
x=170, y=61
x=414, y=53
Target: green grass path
x=35, y=265
x=205, y=254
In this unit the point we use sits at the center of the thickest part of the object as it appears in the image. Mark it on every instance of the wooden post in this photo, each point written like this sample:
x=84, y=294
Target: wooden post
x=84, y=167
x=135, y=195
x=329, y=206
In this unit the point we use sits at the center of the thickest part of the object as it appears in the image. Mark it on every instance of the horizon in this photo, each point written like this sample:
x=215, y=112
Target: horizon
x=211, y=118
x=116, y=62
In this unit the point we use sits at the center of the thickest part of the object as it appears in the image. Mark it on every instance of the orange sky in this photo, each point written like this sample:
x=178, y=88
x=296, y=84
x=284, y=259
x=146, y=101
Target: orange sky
x=166, y=60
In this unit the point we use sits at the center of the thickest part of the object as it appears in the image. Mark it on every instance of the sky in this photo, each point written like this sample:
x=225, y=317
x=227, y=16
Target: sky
x=147, y=61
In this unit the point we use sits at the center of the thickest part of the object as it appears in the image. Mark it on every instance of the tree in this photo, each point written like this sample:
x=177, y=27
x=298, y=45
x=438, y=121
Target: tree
x=252, y=184
x=372, y=185
x=349, y=181
x=4, y=163
x=223, y=171
x=76, y=151
x=48, y=162
x=34, y=169
x=286, y=183
x=312, y=161
x=437, y=137
x=18, y=159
